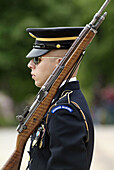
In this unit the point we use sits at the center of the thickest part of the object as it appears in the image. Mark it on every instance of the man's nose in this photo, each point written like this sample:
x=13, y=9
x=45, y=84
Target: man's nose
x=31, y=64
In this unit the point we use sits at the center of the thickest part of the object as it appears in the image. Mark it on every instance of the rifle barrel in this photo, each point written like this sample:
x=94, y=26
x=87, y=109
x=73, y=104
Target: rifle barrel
x=98, y=14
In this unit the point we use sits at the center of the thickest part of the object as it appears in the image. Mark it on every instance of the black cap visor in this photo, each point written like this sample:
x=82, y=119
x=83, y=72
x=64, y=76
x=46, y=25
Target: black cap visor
x=37, y=53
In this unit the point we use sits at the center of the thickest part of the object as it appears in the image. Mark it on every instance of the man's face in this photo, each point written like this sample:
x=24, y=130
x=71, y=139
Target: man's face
x=41, y=71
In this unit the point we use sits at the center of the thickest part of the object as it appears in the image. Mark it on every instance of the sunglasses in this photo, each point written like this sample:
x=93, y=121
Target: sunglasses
x=37, y=60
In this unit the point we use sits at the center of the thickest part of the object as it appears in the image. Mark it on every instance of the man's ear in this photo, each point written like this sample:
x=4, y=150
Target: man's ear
x=58, y=61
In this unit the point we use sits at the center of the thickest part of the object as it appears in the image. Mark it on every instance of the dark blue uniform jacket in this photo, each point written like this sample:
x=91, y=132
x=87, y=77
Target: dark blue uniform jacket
x=65, y=138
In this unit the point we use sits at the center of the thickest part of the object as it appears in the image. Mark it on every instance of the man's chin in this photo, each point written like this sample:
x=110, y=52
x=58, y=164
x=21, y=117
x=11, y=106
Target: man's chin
x=38, y=84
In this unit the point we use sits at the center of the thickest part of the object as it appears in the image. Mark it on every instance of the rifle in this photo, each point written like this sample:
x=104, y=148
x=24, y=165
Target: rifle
x=32, y=116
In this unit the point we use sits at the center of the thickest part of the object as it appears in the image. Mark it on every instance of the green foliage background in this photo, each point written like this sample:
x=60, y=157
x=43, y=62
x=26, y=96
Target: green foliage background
x=17, y=15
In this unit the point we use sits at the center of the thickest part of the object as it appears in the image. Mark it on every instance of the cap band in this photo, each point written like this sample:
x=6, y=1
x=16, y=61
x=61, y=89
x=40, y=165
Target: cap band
x=53, y=39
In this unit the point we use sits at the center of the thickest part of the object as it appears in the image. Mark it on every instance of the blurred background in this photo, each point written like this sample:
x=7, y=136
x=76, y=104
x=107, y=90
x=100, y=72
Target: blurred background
x=96, y=73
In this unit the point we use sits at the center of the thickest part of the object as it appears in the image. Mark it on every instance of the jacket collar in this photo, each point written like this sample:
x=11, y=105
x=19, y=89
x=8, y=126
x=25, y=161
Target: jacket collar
x=73, y=85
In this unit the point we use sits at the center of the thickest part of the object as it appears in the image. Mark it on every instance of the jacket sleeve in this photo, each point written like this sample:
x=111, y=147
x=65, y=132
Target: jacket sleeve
x=67, y=139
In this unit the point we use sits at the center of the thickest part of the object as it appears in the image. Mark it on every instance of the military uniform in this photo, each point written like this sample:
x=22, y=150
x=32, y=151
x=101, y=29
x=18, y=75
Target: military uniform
x=65, y=138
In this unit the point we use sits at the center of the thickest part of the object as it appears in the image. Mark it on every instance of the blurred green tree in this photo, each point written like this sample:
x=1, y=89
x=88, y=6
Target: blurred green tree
x=17, y=15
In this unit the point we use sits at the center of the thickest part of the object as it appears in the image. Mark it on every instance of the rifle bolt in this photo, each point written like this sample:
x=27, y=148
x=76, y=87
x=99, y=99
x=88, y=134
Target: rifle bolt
x=20, y=118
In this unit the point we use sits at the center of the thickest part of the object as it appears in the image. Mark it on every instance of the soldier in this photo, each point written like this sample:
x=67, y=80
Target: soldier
x=65, y=138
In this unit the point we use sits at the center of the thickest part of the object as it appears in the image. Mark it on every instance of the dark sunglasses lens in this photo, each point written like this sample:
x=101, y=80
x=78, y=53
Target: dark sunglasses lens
x=35, y=60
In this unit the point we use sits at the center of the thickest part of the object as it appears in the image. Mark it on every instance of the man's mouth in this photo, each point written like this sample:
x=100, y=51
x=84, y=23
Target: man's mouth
x=33, y=76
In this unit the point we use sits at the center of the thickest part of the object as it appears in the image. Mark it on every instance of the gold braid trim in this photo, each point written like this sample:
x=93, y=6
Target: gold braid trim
x=67, y=93
x=85, y=121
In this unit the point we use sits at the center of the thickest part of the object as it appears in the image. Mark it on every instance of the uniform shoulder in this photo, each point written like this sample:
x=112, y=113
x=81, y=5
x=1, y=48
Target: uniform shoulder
x=65, y=97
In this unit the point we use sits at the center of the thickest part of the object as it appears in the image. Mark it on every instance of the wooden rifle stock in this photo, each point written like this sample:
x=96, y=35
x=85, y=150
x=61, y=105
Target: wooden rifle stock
x=14, y=162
